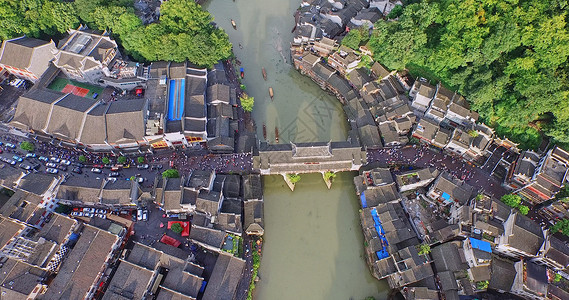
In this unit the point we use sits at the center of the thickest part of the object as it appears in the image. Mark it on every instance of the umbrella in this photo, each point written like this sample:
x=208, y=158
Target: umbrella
x=161, y=224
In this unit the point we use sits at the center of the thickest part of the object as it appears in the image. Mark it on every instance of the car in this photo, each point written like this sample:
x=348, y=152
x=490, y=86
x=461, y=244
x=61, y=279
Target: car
x=43, y=158
x=77, y=164
x=88, y=210
x=10, y=161
x=142, y=167
x=25, y=166
x=102, y=216
x=139, y=215
x=95, y=95
x=77, y=170
x=74, y=213
x=65, y=162
x=17, y=158
x=51, y=165
x=140, y=179
x=96, y=170
x=10, y=145
x=100, y=211
x=114, y=174
x=62, y=167
x=145, y=215
x=52, y=170
x=55, y=159
x=98, y=166
x=89, y=215
x=31, y=155
x=160, y=167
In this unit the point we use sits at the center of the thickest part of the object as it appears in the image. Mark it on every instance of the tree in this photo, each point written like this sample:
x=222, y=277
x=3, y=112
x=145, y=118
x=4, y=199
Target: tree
x=27, y=146
x=482, y=285
x=424, y=249
x=121, y=159
x=140, y=159
x=561, y=226
x=293, y=178
x=353, y=39
x=247, y=102
x=329, y=176
x=171, y=173
x=395, y=12
x=524, y=210
x=106, y=160
x=511, y=200
x=82, y=158
x=177, y=228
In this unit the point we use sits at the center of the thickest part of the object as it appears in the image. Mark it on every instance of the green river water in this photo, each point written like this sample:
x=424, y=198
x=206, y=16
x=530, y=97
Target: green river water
x=313, y=242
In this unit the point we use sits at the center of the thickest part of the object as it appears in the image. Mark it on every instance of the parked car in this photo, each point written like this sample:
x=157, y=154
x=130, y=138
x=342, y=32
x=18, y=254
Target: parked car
x=51, y=165
x=98, y=166
x=55, y=159
x=52, y=170
x=31, y=155
x=101, y=211
x=145, y=215
x=77, y=164
x=142, y=167
x=17, y=158
x=77, y=170
x=114, y=174
x=65, y=162
x=140, y=179
x=43, y=158
x=62, y=167
x=139, y=215
x=96, y=170
x=10, y=145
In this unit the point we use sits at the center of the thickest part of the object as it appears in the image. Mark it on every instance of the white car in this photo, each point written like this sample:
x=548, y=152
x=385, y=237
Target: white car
x=52, y=170
x=55, y=160
x=145, y=215
x=96, y=170
x=51, y=165
x=65, y=162
x=139, y=215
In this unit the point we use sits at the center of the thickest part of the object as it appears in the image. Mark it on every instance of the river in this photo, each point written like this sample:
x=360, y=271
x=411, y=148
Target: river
x=313, y=242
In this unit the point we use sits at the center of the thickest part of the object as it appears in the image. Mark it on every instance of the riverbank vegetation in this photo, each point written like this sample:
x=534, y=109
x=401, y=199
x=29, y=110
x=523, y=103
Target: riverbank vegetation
x=293, y=178
x=508, y=58
x=184, y=31
x=515, y=201
x=247, y=102
x=329, y=176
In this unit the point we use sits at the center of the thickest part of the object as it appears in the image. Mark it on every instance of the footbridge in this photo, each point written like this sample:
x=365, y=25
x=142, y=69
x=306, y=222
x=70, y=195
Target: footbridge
x=299, y=158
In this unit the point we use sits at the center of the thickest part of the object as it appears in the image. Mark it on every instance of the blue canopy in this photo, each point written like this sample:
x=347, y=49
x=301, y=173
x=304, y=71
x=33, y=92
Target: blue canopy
x=446, y=197
x=481, y=245
x=363, y=199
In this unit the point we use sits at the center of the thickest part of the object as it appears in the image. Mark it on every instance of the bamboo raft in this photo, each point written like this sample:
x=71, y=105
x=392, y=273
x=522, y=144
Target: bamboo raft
x=264, y=74
x=271, y=92
x=233, y=24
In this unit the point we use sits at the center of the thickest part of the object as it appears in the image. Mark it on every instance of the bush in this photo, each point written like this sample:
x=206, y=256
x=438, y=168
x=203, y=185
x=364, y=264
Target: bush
x=293, y=178
x=121, y=159
x=511, y=200
x=561, y=225
x=171, y=173
x=82, y=158
x=177, y=228
x=247, y=102
x=63, y=209
x=106, y=160
x=140, y=160
x=27, y=146
x=424, y=249
x=524, y=210
x=329, y=176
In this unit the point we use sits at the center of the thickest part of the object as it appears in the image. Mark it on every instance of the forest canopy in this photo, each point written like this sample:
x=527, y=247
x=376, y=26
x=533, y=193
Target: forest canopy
x=184, y=31
x=509, y=58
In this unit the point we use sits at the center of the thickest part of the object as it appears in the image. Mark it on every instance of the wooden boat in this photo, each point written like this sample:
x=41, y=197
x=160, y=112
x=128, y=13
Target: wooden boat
x=233, y=24
x=264, y=131
x=242, y=73
x=277, y=134
x=264, y=74
x=271, y=92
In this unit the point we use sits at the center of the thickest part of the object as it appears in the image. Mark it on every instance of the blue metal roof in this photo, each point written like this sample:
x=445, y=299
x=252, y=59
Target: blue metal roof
x=481, y=245
x=363, y=199
x=446, y=197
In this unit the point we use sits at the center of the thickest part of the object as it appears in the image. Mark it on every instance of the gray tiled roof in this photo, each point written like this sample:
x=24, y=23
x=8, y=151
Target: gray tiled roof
x=225, y=278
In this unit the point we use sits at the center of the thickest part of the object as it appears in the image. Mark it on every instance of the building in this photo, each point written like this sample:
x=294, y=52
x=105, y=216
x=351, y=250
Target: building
x=421, y=94
x=225, y=277
x=104, y=193
x=84, y=267
x=531, y=281
x=26, y=58
x=554, y=254
x=449, y=190
x=549, y=177
x=85, y=55
x=415, y=179
x=521, y=238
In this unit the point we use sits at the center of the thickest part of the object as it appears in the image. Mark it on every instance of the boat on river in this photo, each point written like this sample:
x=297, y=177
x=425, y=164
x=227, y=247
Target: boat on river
x=264, y=131
x=277, y=134
x=233, y=24
x=264, y=74
x=242, y=73
x=271, y=93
